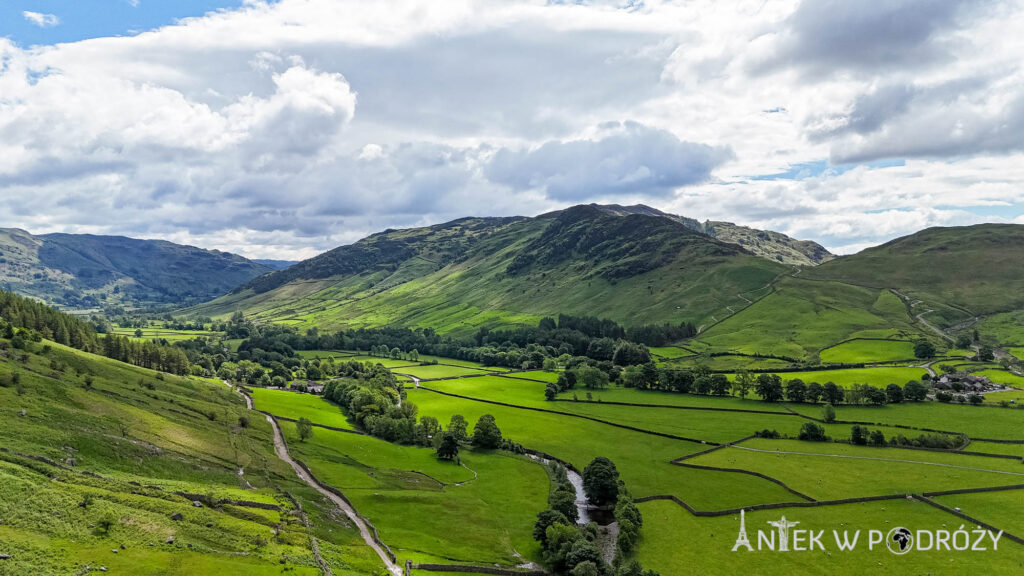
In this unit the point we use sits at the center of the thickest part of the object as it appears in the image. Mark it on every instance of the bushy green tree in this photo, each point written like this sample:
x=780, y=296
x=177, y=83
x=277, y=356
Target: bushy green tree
x=924, y=349
x=796, y=390
x=769, y=387
x=305, y=428
x=858, y=435
x=601, y=481
x=448, y=447
x=812, y=432
x=915, y=391
x=546, y=519
x=833, y=394
x=486, y=433
x=894, y=393
x=828, y=413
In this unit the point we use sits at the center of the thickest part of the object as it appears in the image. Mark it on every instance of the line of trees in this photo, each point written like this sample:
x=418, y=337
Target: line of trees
x=23, y=320
x=526, y=347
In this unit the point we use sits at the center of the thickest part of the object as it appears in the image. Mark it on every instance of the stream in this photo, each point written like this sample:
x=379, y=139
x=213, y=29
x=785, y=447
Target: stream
x=582, y=507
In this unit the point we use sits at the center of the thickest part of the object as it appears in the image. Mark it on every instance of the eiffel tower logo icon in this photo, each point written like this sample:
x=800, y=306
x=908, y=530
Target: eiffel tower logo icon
x=742, y=539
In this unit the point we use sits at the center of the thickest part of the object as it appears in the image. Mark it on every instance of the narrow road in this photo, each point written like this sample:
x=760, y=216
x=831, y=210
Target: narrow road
x=281, y=449
x=282, y=452
x=920, y=317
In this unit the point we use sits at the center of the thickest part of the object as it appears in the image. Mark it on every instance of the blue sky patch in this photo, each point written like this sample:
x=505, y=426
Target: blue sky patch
x=72, y=20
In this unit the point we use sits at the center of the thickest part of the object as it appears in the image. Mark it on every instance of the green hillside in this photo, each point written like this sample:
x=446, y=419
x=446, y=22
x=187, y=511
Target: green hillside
x=85, y=271
x=110, y=454
x=454, y=277
x=957, y=272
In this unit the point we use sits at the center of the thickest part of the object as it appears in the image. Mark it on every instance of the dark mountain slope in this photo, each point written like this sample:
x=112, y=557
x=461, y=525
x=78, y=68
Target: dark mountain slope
x=82, y=270
x=631, y=267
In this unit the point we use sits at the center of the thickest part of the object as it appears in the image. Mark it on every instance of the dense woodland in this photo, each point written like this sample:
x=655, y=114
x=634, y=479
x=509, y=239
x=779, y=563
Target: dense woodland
x=23, y=320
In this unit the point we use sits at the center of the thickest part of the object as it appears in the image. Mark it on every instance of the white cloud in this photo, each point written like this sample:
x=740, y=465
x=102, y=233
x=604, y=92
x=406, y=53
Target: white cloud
x=284, y=128
x=40, y=19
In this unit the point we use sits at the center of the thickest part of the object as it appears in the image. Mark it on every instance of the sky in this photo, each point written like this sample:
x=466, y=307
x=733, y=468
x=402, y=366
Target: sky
x=283, y=129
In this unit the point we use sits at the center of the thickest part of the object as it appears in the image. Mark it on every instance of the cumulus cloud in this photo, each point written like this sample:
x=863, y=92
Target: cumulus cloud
x=825, y=36
x=284, y=128
x=625, y=159
x=40, y=19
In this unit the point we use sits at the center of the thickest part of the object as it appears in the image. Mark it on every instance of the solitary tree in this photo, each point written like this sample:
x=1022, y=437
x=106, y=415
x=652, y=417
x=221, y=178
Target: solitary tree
x=305, y=429
x=963, y=340
x=924, y=349
x=448, y=449
x=486, y=433
x=828, y=413
x=812, y=432
x=601, y=481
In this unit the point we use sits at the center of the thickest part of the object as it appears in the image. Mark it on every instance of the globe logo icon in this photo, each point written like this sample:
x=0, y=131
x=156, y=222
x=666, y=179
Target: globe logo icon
x=899, y=540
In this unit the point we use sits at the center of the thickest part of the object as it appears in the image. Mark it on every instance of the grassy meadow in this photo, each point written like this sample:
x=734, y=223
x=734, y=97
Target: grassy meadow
x=102, y=447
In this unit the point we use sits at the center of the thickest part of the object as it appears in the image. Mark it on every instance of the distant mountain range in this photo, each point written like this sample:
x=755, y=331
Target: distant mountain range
x=749, y=291
x=81, y=271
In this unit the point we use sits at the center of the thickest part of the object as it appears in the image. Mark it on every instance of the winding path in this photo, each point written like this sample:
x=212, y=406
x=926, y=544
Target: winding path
x=282, y=452
x=281, y=449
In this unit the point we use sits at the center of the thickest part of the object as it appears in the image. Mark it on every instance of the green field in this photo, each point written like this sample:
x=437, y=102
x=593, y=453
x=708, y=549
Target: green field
x=801, y=318
x=296, y=405
x=1002, y=377
x=881, y=376
x=440, y=371
x=727, y=362
x=416, y=500
x=1016, y=396
x=166, y=334
x=852, y=470
x=709, y=542
x=1001, y=509
x=975, y=421
x=670, y=352
x=862, y=350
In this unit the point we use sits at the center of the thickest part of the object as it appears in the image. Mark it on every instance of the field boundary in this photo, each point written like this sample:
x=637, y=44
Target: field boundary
x=571, y=415
x=971, y=519
x=465, y=569
x=680, y=407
